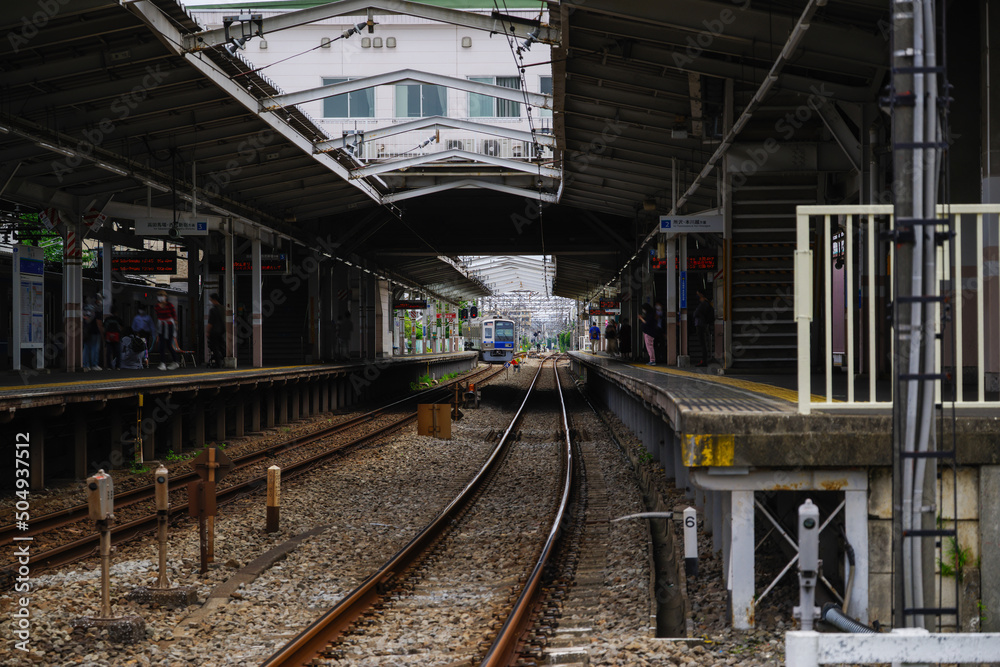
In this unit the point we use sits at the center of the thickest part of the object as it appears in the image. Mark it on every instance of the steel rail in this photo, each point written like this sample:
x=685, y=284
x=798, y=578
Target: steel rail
x=311, y=642
x=70, y=515
x=83, y=547
x=508, y=640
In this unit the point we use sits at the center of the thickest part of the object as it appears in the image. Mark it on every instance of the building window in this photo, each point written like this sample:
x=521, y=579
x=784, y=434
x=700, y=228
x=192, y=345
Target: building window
x=359, y=104
x=419, y=100
x=545, y=87
x=484, y=106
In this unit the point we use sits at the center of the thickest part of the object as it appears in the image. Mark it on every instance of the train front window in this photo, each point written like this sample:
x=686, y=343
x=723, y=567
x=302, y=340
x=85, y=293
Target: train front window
x=505, y=332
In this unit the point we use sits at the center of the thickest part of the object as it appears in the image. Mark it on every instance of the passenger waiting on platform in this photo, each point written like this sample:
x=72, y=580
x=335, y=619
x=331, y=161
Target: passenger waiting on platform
x=142, y=325
x=660, y=339
x=625, y=340
x=611, y=336
x=112, y=340
x=704, y=319
x=216, y=333
x=93, y=333
x=166, y=322
x=133, y=351
x=595, y=337
x=649, y=331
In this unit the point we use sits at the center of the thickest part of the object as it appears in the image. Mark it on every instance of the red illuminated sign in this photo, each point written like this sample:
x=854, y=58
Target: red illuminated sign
x=244, y=264
x=705, y=263
x=144, y=263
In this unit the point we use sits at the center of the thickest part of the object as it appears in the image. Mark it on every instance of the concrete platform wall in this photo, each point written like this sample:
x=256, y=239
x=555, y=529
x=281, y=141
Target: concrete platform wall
x=866, y=494
x=75, y=435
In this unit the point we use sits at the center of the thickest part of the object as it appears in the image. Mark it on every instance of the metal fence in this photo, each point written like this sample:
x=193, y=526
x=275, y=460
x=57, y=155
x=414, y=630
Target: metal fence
x=855, y=241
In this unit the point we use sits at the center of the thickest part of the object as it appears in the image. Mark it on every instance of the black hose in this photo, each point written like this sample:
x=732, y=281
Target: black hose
x=832, y=615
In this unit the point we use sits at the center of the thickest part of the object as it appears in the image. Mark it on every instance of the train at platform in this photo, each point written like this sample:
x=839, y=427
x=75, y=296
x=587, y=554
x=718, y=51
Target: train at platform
x=495, y=339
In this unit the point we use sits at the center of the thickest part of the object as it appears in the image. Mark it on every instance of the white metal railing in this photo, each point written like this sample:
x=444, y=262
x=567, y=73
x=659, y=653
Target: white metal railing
x=860, y=220
x=410, y=144
x=902, y=646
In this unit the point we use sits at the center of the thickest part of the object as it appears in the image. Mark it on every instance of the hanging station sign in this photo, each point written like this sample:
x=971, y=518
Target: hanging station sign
x=409, y=304
x=144, y=262
x=684, y=224
x=269, y=263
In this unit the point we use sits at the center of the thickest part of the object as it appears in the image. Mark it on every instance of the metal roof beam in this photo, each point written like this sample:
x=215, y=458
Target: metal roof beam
x=469, y=182
x=514, y=165
x=537, y=100
x=171, y=36
x=439, y=121
x=518, y=27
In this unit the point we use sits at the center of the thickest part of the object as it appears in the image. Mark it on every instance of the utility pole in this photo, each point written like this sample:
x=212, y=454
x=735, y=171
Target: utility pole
x=916, y=133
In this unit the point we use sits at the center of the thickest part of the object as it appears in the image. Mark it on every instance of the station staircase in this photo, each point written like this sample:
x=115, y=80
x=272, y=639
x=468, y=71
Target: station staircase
x=763, y=279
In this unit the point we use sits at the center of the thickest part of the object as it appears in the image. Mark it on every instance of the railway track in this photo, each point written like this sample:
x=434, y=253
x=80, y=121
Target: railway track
x=79, y=548
x=413, y=572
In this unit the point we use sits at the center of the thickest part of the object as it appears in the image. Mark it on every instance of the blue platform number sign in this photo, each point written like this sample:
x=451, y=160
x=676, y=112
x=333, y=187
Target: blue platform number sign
x=201, y=226
x=684, y=289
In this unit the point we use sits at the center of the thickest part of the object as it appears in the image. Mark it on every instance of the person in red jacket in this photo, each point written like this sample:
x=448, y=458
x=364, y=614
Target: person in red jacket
x=166, y=321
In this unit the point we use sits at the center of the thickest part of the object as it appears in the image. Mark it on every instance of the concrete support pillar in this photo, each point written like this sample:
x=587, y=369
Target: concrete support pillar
x=117, y=456
x=149, y=441
x=741, y=558
x=718, y=523
x=323, y=386
x=269, y=398
x=257, y=319
x=682, y=286
x=195, y=322
x=680, y=472
x=177, y=433
x=708, y=514
x=989, y=544
x=317, y=404
x=671, y=303
x=283, y=406
x=229, y=287
x=665, y=442
x=856, y=528
x=239, y=418
x=335, y=394
x=198, y=427
x=80, y=444
x=255, y=410
x=220, y=420
x=296, y=402
x=73, y=298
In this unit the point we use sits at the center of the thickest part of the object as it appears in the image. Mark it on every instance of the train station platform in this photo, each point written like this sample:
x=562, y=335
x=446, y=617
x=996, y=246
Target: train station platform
x=29, y=389
x=733, y=420
x=77, y=423
x=743, y=452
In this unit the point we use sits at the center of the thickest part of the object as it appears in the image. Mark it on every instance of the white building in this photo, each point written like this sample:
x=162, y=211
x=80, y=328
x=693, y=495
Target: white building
x=318, y=54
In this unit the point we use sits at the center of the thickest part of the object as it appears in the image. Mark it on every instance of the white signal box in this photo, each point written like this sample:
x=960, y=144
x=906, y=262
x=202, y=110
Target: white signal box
x=101, y=496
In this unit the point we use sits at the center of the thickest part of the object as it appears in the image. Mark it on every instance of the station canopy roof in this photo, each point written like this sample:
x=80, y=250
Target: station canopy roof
x=133, y=108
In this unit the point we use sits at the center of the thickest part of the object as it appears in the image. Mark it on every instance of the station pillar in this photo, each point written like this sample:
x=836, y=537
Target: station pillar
x=73, y=297
x=257, y=320
x=671, y=301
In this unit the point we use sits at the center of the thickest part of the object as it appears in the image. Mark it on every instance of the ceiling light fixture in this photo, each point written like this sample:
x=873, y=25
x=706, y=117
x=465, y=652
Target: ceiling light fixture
x=156, y=186
x=113, y=169
x=55, y=149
